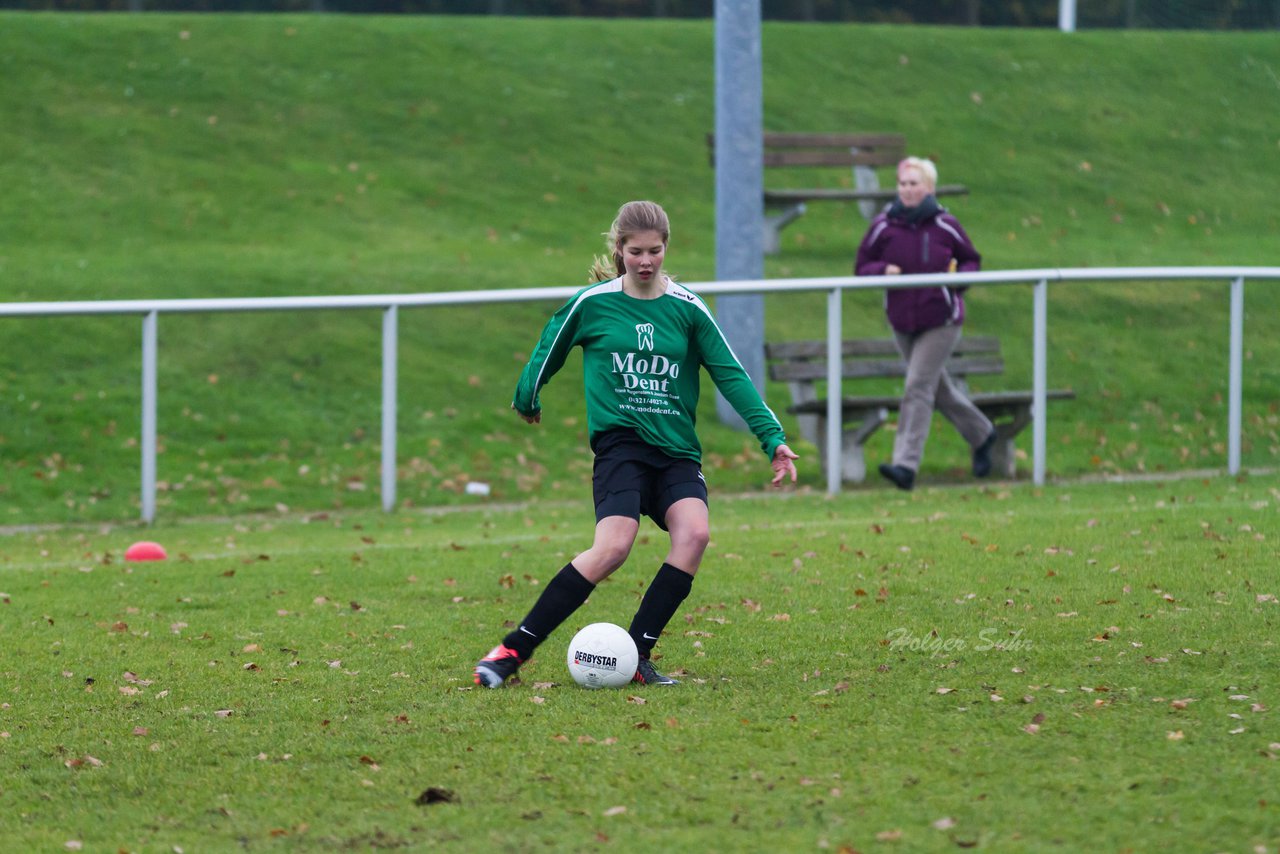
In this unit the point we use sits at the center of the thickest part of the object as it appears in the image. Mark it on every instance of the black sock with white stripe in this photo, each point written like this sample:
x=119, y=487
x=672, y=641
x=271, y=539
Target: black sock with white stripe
x=661, y=601
x=564, y=594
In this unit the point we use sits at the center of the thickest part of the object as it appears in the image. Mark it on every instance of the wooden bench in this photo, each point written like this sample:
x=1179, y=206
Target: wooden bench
x=803, y=364
x=864, y=152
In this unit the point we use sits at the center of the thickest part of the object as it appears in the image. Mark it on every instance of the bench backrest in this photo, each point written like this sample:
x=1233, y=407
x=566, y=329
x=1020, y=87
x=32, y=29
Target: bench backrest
x=806, y=361
x=828, y=149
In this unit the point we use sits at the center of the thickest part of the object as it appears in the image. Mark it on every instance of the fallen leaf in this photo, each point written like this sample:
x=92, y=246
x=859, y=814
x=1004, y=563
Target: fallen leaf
x=436, y=795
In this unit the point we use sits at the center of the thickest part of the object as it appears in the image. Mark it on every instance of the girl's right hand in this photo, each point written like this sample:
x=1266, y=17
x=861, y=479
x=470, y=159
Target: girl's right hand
x=529, y=419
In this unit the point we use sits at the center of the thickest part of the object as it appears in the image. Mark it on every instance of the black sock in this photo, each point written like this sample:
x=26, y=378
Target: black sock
x=660, y=603
x=564, y=594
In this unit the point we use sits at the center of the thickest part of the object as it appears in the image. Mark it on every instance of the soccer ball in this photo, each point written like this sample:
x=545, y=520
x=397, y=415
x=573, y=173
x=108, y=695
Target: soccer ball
x=602, y=656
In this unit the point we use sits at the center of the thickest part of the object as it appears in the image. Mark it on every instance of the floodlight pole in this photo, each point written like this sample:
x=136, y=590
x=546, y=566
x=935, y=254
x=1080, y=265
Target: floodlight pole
x=1067, y=15
x=739, y=158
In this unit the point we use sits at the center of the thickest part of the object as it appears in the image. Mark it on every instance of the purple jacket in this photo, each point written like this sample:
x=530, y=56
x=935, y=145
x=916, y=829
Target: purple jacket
x=925, y=245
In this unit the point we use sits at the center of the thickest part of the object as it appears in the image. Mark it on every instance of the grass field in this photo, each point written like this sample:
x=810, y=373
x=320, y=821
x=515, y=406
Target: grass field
x=1087, y=666
x=236, y=155
x=1084, y=667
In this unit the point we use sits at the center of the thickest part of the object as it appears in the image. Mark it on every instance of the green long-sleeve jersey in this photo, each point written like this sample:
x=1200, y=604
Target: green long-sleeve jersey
x=640, y=361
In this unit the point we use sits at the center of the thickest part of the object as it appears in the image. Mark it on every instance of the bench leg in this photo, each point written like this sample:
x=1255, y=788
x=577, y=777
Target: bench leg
x=810, y=429
x=774, y=223
x=853, y=463
x=865, y=178
x=1004, y=455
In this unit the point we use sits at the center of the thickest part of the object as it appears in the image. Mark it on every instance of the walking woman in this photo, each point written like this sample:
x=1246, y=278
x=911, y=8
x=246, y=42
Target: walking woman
x=643, y=340
x=917, y=235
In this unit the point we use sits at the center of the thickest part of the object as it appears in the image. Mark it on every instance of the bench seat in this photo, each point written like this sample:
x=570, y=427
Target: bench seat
x=791, y=197
x=802, y=364
x=864, y=153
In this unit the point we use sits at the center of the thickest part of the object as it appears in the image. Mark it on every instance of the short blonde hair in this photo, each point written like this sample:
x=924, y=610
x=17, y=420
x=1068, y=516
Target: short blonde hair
x=632, y=218
x=926, y=167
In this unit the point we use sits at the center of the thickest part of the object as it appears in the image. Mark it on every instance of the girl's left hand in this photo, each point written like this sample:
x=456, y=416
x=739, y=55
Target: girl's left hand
x=783, y=464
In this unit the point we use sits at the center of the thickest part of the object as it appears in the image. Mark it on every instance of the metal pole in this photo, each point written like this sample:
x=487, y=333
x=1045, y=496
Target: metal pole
x=739, y=177
x=389, y=347
x=1067, y=15
x=1039, y=334
x=834, y=392
x=149, y=349
x=1236, y=382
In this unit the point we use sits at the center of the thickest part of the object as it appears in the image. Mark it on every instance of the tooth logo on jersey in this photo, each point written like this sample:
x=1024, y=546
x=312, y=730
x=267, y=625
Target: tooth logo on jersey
x=644, y=331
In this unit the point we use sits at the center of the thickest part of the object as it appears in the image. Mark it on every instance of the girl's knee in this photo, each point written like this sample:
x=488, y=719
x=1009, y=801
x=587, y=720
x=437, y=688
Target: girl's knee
x=611, y=554
x=692, y=538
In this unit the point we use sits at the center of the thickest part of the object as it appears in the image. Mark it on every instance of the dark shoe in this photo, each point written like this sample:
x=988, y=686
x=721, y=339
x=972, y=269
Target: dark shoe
x=647, y=674
x=902, y=477
x=497, y=667
x=982, y=456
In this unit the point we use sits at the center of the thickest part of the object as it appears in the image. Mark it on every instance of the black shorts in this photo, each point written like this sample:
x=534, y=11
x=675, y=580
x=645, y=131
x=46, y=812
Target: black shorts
x=633, y=478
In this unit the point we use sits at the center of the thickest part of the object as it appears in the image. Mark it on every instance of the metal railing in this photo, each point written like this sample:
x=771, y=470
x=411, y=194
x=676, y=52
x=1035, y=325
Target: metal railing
x=390, y=304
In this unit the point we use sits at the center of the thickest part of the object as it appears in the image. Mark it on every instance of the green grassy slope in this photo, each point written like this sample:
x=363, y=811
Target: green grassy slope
x=204, y=155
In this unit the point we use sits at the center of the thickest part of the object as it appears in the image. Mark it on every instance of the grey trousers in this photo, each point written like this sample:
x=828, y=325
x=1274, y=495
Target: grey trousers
x=929, y=386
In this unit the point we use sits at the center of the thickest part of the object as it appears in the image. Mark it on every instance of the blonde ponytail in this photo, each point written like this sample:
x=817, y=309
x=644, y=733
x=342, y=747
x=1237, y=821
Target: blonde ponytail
x=602, y=269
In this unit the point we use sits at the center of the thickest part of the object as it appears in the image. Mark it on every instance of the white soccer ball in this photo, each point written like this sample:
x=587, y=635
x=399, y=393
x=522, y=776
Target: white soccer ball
x=602, y=656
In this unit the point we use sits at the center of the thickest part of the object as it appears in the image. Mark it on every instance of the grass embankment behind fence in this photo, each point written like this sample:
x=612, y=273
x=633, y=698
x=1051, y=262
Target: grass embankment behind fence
x=1001, y=669
x=184, y=156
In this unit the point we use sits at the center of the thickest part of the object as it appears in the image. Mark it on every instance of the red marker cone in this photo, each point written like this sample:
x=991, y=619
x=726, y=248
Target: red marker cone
x=145, y=551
